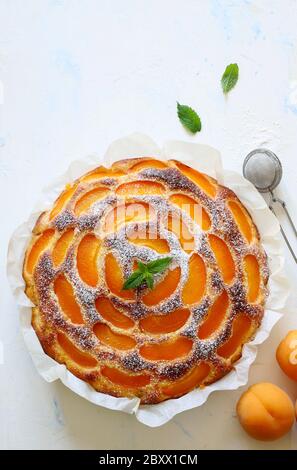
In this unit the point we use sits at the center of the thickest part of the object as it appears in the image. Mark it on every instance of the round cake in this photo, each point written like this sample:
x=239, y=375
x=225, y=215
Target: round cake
x=147, y=279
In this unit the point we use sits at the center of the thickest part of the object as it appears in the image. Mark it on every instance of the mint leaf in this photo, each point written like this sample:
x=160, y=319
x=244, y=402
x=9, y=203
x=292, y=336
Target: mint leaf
x=134, y=280
x=141, y=266
x=159, y=265
x=149, y=279
x=145, y=272
x=189, y=118
x=230, y=77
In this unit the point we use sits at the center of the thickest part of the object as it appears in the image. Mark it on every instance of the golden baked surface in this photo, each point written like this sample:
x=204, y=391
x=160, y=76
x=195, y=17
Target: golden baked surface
x=155, y=344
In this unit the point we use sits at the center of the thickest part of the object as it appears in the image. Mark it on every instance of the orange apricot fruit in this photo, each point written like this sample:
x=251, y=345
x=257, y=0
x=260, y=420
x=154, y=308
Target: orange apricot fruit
x=286, y=355
x=265, y=412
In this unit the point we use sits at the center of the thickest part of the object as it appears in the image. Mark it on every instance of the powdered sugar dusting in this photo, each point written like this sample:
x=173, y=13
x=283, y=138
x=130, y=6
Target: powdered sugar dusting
x=121, y=245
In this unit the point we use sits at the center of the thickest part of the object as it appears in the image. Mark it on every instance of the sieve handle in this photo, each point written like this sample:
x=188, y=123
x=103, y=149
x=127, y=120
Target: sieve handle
x=283, y=204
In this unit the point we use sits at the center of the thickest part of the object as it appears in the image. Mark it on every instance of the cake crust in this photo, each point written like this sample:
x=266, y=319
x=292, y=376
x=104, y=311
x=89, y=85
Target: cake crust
x=155, y=344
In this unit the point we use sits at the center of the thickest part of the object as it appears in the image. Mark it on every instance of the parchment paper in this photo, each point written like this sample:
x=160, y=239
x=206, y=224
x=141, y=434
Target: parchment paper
x=205, y=159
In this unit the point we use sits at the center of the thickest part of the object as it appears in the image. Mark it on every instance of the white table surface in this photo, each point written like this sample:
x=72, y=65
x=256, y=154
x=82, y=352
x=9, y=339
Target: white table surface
x=74, y=76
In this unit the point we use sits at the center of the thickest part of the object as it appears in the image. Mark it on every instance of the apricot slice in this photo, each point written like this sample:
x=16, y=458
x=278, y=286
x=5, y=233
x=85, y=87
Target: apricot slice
x=215, y=316
x=286, y=355
x=198, y=178
x=62, y=200
x=240, y=328
x=167, y=350
x=112, y=339
x=164, y=289
x=191, y=380
x=125, y=380
x=150, y=163
x=38, y=247
x=102, y=172
x=115, y=279
x=87, y=254
x=241, y=219
x=223, y=257
x=197, y=213
x=88, y=199
x=158, y=244
x=140, y=188
x=127, y=213
x=160, y=324
x=138, y=211
x=252, y=271
x=265, y=412
x=176, y=225
x=195, y=285
x=61, y=247
x=81, y=358
x=64, y=291
x=111, y=314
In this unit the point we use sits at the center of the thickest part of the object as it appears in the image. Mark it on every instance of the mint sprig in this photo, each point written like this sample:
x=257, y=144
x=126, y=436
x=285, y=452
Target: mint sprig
x=145, y=273
x=189, y=118
x=230, y=77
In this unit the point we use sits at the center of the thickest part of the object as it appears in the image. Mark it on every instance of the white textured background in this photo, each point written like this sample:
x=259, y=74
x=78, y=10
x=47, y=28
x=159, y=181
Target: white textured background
x=75, y=75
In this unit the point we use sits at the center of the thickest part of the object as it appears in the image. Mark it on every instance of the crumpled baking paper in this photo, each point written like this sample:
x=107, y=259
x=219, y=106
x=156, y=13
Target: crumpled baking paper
x=205, y=159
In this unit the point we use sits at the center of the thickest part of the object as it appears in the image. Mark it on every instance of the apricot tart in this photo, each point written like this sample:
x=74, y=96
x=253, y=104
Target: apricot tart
x=186, y=330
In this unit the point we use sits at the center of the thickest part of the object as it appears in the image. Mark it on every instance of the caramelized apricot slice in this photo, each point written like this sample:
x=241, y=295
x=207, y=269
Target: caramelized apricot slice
x=191, y=380
x=114, y=278
x=123, y=379
x=158, y=244
x=112, y=339
x=64, y=291
x=87, y=254
x=240, y=328
x=61, y=247
x=140, y=188
x=195, y=285
x=127, y=213
x=167, y=350
x=160, y=324
x=223, y=257
x=149, y=163
x=89, y=198
x=111, y=314
x=180, y=229
x=102, y=172
x=164, y=289
x=62, y=200
x=197, y=213
x=252, y=271
x=215, y=316
x=242, y=220
x=81, y=358
x=38, y=247
x=198, y=178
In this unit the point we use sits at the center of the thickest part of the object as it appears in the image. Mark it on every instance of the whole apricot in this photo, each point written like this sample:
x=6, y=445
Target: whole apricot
x=265, y=412
x=286, y=354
